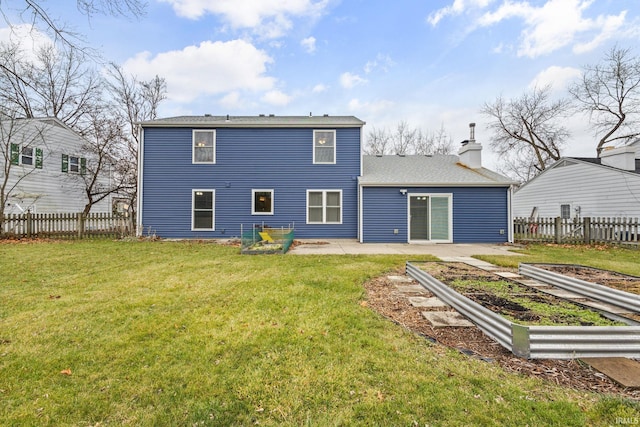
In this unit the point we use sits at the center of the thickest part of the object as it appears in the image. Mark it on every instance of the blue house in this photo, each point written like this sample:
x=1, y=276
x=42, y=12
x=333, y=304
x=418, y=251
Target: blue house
x=205, y=176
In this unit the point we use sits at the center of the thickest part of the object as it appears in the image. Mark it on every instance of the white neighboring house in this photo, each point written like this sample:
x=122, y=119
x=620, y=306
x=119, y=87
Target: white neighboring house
x=46, y=169
x=577, y=187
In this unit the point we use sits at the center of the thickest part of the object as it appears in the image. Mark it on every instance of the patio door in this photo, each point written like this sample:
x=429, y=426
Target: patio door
x=430, y=218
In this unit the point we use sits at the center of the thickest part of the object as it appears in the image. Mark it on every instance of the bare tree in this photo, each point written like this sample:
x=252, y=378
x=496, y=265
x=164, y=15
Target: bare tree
x=610, y=93
x=21, y=144
x=134, y=101
x=407, y=140
x=527, y=131
x=60, y=84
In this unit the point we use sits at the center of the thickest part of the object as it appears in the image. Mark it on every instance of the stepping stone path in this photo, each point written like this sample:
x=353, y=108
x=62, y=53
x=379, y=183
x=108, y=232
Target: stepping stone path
x=438, y=318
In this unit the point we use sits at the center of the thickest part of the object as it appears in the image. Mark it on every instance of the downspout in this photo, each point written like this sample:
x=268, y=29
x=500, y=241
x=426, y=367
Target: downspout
x=139, y=229
x=510, y=214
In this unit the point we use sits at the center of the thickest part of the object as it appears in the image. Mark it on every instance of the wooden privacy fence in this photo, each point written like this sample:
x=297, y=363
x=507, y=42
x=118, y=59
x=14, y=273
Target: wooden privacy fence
x=585, y=230
x=66, y=225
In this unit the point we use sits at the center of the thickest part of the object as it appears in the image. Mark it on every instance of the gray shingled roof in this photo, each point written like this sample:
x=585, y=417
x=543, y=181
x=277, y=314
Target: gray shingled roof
x=436, y=170
x=255, y=121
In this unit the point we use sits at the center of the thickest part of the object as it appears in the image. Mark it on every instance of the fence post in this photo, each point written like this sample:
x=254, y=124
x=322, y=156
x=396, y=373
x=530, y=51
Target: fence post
x=80, y=217
x=558, y=229
x=586, y=226
x=29, y=224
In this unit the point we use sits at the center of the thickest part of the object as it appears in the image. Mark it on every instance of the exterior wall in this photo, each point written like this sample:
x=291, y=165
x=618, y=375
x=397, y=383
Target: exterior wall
x=246, y=159
x=47, y=190
x=479, y=213
x=594, y=190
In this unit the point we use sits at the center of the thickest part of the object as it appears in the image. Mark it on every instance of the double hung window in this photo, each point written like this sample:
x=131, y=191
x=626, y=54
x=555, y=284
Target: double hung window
x=203, y=210
x=324, y=206
x=204, y=146
x=324, y=146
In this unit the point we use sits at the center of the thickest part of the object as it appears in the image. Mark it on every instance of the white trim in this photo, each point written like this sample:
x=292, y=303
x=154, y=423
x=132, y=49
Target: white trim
x=139, y=192
x=213, y=208
x=510, y=214
x=253, y=201
x=335, y=144
x=193, y=148
x=324, y=206
x=449, y=197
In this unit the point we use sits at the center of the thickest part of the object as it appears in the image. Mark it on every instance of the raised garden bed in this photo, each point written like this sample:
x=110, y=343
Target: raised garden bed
x=611, y=279
x=533, y=341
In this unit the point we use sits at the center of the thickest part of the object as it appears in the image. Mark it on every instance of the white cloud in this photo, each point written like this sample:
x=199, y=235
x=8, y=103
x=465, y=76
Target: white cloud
x=208, y=69
x=349, y=80
x=556, y=24
x=309, y=44
x=557, y=77
x=366, y=108
x=28, y=37
x=270, y=18
x=276, y=97
x=457, y=7
x=232, y=100
x=382, y=62
x=319, y=88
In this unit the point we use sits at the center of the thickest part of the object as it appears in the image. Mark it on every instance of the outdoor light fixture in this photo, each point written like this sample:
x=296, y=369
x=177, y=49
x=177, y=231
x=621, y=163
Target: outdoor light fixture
x=403, y=191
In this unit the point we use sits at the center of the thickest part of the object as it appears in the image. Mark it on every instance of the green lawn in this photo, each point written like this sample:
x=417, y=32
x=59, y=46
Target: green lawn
x=176, y=333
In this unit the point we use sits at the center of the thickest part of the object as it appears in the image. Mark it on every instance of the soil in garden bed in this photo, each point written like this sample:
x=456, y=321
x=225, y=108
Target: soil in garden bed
x=607, y=278
x=511, y=300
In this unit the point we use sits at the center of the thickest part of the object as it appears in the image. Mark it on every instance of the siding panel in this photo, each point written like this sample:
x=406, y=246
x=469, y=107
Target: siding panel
x=479, y=213
x=246, y=159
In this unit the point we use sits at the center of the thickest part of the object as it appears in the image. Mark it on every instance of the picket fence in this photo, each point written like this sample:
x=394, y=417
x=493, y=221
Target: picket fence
x=584, y=230
x=66, y=225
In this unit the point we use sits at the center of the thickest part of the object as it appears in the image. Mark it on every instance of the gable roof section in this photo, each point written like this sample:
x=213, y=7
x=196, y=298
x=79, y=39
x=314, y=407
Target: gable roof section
x=255, y=121
x=416, y=170
x=590, y=161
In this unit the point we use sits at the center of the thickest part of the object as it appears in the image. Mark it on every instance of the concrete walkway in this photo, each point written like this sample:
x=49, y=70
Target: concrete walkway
x=440, y=250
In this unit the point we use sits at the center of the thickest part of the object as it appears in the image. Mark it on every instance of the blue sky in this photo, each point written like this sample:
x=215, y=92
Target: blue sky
x=430, y=63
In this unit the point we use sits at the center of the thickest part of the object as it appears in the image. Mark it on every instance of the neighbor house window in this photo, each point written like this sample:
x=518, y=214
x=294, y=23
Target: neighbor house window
x=204, y=146
x=26, y=156
x=74, y=164
x=324, y=206
x=565, y=211
x=203, y=211
x=262, y=202
x=324, y=146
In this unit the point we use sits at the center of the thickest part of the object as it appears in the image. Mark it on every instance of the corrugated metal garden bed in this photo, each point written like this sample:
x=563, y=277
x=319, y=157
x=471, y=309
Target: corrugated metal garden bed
x=522, y=333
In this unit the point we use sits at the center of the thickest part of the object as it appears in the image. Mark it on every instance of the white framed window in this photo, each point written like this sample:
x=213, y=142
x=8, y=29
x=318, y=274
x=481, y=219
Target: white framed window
x=203, y=210
x=204, y=146
x=324, y=147
x=261, y=202
x=324, y=206
x=73, y=164
x=27, y=156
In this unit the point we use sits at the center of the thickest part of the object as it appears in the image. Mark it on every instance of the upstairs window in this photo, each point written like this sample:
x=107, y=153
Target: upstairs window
x=324, y=146
x=74, y=164
x=26, y=156
x=204, y=146
x=262, y=202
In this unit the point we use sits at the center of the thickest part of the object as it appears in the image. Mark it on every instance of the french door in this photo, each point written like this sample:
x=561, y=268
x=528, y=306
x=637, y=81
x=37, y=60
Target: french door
x=430, y=218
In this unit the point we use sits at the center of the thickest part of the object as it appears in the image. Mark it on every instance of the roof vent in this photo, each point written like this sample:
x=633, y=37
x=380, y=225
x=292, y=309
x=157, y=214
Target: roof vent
x=207, y=115
x=272, y=115
x=227, y=118
x=310, y=114
x=325, y=115
x=260, y=115
x=378, y=154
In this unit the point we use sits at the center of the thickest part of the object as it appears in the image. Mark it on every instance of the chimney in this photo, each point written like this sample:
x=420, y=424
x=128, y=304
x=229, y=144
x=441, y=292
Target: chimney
x=621, y=158
x=471, y=153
